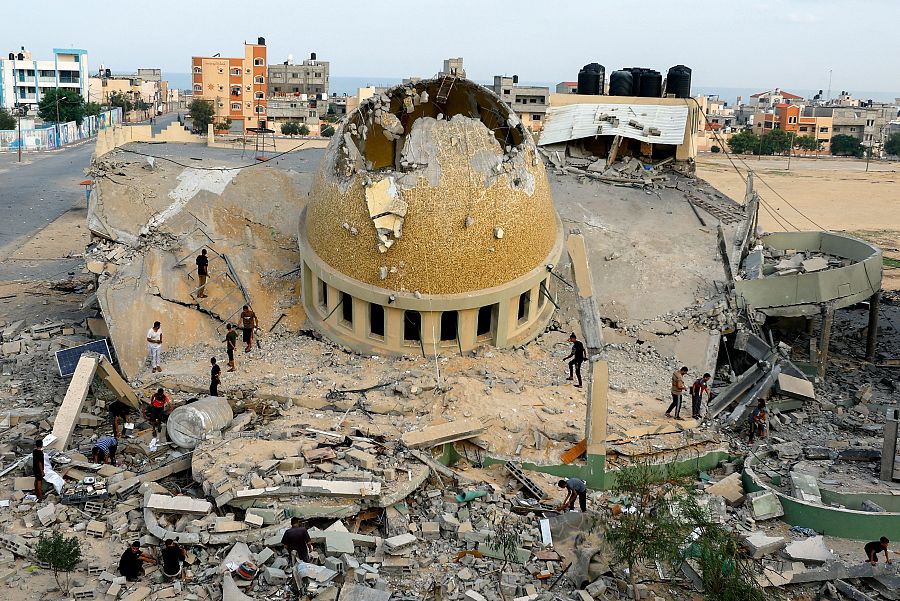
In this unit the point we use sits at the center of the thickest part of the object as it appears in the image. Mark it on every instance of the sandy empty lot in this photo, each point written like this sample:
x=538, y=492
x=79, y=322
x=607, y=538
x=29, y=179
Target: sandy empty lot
x=836, y=194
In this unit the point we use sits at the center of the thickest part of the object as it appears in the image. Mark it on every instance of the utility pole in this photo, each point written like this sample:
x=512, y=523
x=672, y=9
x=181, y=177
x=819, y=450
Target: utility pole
x=19, y=123
x=790, y=151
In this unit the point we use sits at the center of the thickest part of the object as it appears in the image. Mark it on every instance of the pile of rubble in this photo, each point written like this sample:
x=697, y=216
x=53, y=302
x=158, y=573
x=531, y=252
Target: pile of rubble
x=628, y=170
x=766, y=262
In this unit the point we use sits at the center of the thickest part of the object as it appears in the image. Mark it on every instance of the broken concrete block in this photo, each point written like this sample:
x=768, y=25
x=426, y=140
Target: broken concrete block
x=797, y=388
x=140, y=594
x=815, y=264
x=431, y=531
x=274, y=576
x=805, y=487
x=760, y=545
x=180, y=504
x=788, y=450
x=337, y=543
x=358, y=592
x=47, y=514
x=730, y=488
x=265, y=555
x=339, y=488
x=764, y=505
x=474, y=596
x=96, y=528
x=364, y=460
x=82, y=592
x=396, y=544
x=443, y=433
x=810, y=550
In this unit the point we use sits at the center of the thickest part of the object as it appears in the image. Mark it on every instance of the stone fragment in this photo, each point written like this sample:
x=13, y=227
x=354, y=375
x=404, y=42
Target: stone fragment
x=760, y=545
x=810, y=550
x=764, y=505
x=730, y=488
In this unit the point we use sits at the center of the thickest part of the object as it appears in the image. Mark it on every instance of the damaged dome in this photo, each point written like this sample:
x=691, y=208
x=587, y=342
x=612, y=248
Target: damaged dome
x=432, y=188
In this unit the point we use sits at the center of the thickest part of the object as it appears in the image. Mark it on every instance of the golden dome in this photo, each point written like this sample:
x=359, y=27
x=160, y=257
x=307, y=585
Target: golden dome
x=432, y=190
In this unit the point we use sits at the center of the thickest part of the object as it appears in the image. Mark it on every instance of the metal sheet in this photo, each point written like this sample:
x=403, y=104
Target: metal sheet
x=575, y=121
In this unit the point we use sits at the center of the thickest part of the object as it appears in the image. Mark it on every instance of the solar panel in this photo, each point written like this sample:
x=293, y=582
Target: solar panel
x=67, y=359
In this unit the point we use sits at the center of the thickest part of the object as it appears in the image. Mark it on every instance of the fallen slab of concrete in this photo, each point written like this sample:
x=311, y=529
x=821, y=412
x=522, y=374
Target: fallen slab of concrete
x=67, y=416
x=339, y=488
x=443, y=433
x=182, y=504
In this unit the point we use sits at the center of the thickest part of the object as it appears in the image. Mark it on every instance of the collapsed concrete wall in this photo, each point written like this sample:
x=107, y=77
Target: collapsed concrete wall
x=151, y=224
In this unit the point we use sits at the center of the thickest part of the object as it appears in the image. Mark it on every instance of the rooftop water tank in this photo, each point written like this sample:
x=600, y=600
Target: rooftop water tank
x=651, y=84
x=591, y=78
x=620, y=83
x=678, y=81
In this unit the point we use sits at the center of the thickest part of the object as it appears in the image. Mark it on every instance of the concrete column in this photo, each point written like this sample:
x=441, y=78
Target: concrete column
x=431, y=331
x=872, y=338
x=360, y=318
x=827, y=321
x=596, y=418
x=334, y=297
x=467, y=326
x=506, y=318
x=534, y=297
x=393, y=327
x=889, y=451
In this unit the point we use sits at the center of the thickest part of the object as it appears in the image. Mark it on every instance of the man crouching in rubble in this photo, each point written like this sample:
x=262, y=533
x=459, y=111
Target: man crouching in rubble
x=131, y=564
x=758, y=418
x=576, y=488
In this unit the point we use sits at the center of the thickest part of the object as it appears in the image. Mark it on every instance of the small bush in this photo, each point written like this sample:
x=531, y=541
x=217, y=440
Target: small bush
x=715, y=149
x=61, y=554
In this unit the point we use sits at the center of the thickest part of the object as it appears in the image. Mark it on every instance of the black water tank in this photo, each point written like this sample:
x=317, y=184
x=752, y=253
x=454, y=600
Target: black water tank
x=590, y=79
x=651, y=84
x=312, y=56
x=620, y=83
x=515, y=79
x=678, y=81
x=261, y=41
x=12, y=56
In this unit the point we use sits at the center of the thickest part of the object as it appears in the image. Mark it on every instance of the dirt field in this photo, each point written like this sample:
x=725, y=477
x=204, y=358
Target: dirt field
x=836, y=194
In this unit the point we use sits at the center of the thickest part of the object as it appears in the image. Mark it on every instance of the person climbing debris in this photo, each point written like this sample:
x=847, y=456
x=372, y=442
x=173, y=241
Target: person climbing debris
x=173, y=555
x=577, y=355
x=698, y=388
x=202, y=273
x=154, y=346
x=249, y=322
x=576, y=488
x=131, y=564
x=296, y=540
x=215, y=377
x=678, y=389
x=230, y=345
x=37, y=466
x=159, y=402
x=118, y=415
x=758, y=418
x=875, y=547
x=104, y=450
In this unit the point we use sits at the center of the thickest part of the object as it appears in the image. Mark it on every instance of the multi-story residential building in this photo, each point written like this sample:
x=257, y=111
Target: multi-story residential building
x=307, y=111
x=529, y=102
x=24, y=81
x=792, y=119
x=865, y=123
x=567, y=87
x=309, y=77
x=767, y=100
x=145, y=86
x=236, y=86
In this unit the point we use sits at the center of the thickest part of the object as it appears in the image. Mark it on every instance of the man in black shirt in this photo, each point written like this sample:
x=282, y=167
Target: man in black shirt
x=215, y=376
x=876, y=547
x=202, y=272
x=576, y=488
x=118, y=414
x=132, y=560
x=172, y=556
x=296, y=538
x=577, y=356
x=37, y=466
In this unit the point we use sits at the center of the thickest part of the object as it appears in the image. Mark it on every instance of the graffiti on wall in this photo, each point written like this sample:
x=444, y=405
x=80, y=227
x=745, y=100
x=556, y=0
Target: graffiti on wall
x=58, y=135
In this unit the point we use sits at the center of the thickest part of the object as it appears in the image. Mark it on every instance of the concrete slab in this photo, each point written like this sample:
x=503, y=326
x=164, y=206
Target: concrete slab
x=358, y=592
x=231, y=592
x=67, y=416
x=443, y=433
x=764, y=505
x=797, y=388
x=760, y=545
x=339, y=488
x=730, y=488
x=805, y=487
x=810, y=550
x=182, y=504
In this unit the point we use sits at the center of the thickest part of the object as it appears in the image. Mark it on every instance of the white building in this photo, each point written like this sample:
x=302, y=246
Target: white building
x=24, y=81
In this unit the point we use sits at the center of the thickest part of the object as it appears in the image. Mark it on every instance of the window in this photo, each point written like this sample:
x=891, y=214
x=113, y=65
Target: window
x=536, y=117
x=198, y=70
x=198, y=87
x=258, y=62
x=412, y=326
x=792, y=119
x=803, y=128
x=312, y=113
x=347, y=309
x=221, y=70
x=506, y=92
x=293, y=76
x=259, y=95
x=449, y=324
x=235, y=106
x=376, y=320
x=823, y=129
x=259, y=79
x=296, y=90
x=485, y=320
x=852, y=129
x=323, y=296
x=259, y=109
x=524, y=302
x=235, y=90
x=532, y=100
x=236, y=72
x=293, y=105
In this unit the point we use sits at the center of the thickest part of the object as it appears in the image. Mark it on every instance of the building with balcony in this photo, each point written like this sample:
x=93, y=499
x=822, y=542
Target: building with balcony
x=236, y=86
x=793, y=119
x=309, y=77
x=24, y=80
x=145, y=86
x=529, y=102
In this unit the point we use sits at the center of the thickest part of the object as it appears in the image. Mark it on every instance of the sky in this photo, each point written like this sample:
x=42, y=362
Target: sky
x=738, y=44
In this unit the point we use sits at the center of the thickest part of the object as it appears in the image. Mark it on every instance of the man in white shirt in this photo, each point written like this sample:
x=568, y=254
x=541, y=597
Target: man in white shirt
x=154, y=345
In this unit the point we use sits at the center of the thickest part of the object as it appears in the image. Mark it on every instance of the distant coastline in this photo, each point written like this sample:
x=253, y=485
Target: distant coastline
x=350, y=84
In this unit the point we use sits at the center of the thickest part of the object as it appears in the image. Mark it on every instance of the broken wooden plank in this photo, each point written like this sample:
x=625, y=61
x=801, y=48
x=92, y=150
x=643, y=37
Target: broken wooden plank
x=443, y=433
x=68, y=413
x=575, y=452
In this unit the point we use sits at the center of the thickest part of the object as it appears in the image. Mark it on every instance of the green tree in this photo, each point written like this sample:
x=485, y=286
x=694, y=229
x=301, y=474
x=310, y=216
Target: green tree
x=223, y=125
x=715, y=149
x=844, y=145
x=61, y=554
x=91, y=108
x=70, y=103
x=776, y=141
x=303, y=130
x=327, y=131
x=745, y=142
x=891, y=145
x=291, y=128
x=7, y=121
x=118, y=99
x=202, y=113
x=806, y=143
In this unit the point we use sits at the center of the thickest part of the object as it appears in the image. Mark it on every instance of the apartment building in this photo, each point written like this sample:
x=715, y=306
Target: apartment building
x=236, y=86
x=865, y=123
x=792, y=119
x=24, y=80
x=144, y=86
x=567, y=87
x=529, y=102
x=309, y=77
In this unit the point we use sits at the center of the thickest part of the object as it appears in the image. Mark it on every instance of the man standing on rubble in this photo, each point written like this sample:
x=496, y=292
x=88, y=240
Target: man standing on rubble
x=37, y=466
x=230, y=345
x=296, y=539
x=118, y=414
x=577, y=356
x=154, y=345
x=158, y=403
x=876, y=547
x=758, y=418
x=678, y=389
x=215, y=377
x=248, y=324
x=132, y=560
x=576, y=488
x=699, y=386
x=202, y=273
x=104, y=450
